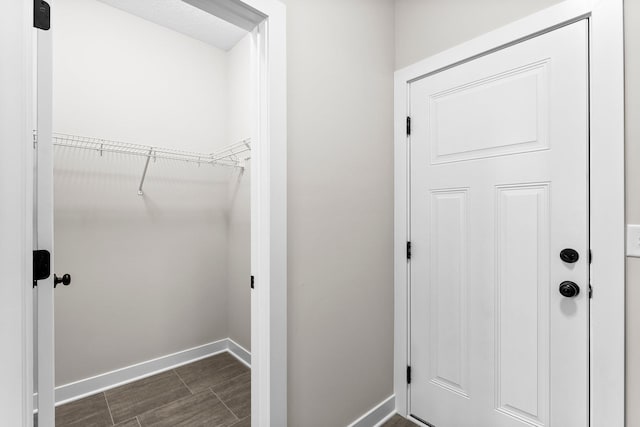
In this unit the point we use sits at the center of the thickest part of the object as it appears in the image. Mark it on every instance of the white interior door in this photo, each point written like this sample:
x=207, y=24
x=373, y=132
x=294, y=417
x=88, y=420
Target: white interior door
x=43, y=234
x=499, y=187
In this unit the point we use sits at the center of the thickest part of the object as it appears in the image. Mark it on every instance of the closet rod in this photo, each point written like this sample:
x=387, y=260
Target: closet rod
x=231, y=156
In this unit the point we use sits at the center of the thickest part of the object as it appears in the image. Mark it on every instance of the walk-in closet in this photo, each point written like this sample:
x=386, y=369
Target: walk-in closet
x=152, y=120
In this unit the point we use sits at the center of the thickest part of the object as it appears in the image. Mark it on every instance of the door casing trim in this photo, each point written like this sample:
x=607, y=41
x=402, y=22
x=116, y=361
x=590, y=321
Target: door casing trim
x=607, y=191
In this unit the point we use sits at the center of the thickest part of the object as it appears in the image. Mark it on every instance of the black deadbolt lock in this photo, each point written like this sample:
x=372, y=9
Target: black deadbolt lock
x=569, y=289
x=569, y=255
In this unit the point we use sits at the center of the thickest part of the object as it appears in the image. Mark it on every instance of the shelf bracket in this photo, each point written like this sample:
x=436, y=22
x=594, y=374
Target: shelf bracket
x=144, y=172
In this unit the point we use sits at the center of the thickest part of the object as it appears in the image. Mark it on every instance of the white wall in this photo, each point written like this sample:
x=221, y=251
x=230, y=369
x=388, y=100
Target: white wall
x=340, y=207
x=149, y=273
x=239, y=240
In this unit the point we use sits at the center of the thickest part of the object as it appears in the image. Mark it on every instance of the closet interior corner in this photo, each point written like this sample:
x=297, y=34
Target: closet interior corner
x=152, y=120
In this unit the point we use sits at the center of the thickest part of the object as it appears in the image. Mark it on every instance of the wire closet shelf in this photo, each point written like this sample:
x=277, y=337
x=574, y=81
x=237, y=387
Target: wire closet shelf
x=233, y=155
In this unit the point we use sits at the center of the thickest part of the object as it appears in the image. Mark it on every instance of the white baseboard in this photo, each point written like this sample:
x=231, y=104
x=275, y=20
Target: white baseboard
x=241, y=353
x=86, y=387
x=377, y=415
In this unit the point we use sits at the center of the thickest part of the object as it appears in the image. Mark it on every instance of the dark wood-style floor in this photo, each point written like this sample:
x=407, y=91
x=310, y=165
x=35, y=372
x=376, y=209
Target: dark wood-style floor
x=398, y=421
x=215, y=391
x=211, y=392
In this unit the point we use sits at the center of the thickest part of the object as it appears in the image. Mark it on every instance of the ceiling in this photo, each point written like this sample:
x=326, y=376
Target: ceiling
x=184, y=18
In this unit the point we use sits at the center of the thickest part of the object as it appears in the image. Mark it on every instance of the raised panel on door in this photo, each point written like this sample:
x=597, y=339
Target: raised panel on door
x=499, y=185
x=522, y=295
x=448, y=352
x=517, y=97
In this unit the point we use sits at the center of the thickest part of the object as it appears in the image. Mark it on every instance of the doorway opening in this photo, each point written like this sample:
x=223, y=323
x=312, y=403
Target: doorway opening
x=156, y=136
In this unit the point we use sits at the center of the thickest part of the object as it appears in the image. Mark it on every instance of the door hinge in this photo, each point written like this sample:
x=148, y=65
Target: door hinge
x=590, y=292
x=408, y=374
x=41, y=266
x=41, y=15
x=590, y=256
x=408, y=125
x=408, y=250
x=253, y=282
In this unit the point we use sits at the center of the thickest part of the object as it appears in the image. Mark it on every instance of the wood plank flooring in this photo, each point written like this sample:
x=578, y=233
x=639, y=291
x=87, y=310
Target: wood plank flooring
x=214, y=392
x=398, y=421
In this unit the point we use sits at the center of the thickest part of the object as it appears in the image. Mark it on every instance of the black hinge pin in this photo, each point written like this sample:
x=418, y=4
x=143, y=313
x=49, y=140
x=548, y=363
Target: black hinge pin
x=408, y=250
x=408, y=374
x=408, y=126
x=253, y=282
x=590, y=292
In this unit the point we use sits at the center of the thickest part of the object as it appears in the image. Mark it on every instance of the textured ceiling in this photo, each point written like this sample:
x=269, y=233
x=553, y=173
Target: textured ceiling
x=183, y=18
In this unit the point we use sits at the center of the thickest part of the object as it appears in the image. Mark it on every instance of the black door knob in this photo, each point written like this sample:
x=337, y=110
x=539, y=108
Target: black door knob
x=65, y=280
x=569, y=289
x=569, y=255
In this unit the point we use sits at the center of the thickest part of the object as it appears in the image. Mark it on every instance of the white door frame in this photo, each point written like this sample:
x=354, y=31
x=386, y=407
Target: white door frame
x=16, y=220
x=268, y=200
x=267, y=20
x=607, y=215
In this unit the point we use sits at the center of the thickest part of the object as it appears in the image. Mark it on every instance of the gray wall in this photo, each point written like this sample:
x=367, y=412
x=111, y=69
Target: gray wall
x=149, y=274
x=239, y=258
x=340, y=209
x=424, y=27
x=239, y=213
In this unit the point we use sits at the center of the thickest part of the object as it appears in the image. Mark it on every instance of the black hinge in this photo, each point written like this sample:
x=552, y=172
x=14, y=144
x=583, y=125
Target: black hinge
x=590, y=256
x=408, y=126
x=41, y=266
x=590, y=292
x=408, y=250
x=41, y=15
x=408, y=374
x=253, y=282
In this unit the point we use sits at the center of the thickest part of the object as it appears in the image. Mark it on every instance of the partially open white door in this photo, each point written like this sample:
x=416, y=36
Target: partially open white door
x=43, y=234
x=499, y=190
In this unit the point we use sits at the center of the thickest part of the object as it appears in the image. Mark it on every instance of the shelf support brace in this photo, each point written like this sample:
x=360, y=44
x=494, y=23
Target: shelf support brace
x=144, y=172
